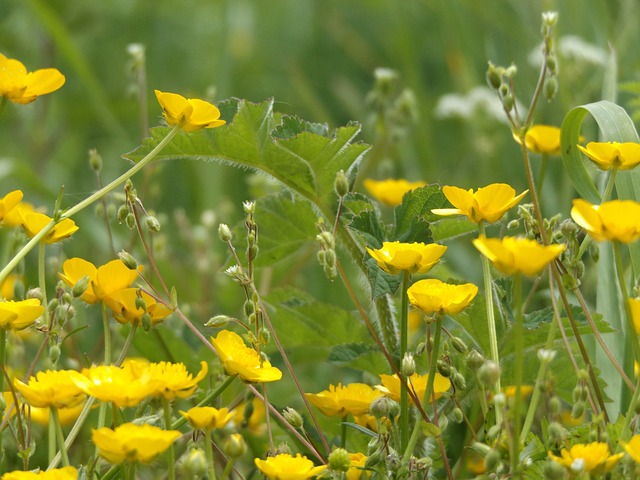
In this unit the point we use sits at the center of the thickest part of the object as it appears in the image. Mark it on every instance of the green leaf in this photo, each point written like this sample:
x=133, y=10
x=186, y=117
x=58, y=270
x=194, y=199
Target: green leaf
x=382, y=283
x=360, y=428
x=452, y=227
x=356, y=203
x=292, y=126
x=414, y=214
x=369, y=226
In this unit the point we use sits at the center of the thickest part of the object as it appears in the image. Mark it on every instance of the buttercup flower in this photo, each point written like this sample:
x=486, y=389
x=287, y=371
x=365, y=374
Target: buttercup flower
x=20, y=86
x=517, y=255
x=34, y=222
x=633, y=448
x=173, y=380
x=123, y=305
x=434, y=296
x=67, y=415
x=64, y=473
x=132, y=443
x=543, y=139
x=208, y=418
x=613, y=155
x=634, y=304
x=593, y=458
x=390, y=191
x=340, y=400
x=391, y=385
x=8, y=286
x=253, y=419
x=486, y=204
x=238, y=359
x=287, y=467
x=617, y=220
x=124, y=386
x=9, y=202
x=395, y=257
x=103, y=281
x=356, y=471
x=13, y=217
x=16, y=315
x=190, y=114
x=53, y=388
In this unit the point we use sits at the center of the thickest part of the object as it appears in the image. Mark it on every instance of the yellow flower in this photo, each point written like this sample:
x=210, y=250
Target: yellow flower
x=613, y=155
x=132, y=443
x=103, y=281
x=486, y=204
x=391, y=385
x=510, y=391
x=434, y=296
x=64, y=473
x=354, y=398
x=238, y=359
x=356, y=472
x=517, y=255
x=10, y=200
x=208, y=418
x=395, y=257
x=53, y=388
x=123, y=305
x=190, y=114
x=634, y=304
x=543, y=139
x=614, y=220
x=124, y=386
x=390, y=191
x=287, y=467
x=8, y=287
x=33, y=222
x=16, y=315
x=252, y=417
x=13, y=217
x=173, y=380
x=593, y=458
x=66, y=415
x=20, y=86
x=633, y=448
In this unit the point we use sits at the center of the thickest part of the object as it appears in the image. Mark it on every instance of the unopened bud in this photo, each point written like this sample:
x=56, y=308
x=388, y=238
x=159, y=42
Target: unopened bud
x=95, y=160
x=458, y=416
x=511, y=71
x=475, y=360
x=373, y=460
x=264, y=336
x=339, y=460
x=554, y=405
x=71, y=312
x=459, y=345
x=123, y=211
x=35, y=293
x=130, y=220
x=193, y=464
x=384, y=407
x=218, y=321
x=249, y=307
x=235, y=446
x=283, y=448
x=54, y=354
x=459, y=381
x=550, y=88
x=444, y=368
x=551, y=64
x=80, y=286
x=341, y=184
x=330, y=258
x=152, y=223
x=140, y=303
x=578, y=410
x=146, y=321
x=492, y=460
x=494, y=78
x=129, y=261
x=489, y=373
x=292, y=417
x=408, y=366
x=556, y=432
x=507, y=100
x=249, y=207
x=594, y=251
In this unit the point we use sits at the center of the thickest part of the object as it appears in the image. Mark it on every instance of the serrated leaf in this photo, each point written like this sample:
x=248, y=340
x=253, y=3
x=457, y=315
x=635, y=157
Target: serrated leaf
x=369, y=226
x=355, y=203
x=412, y=217
x=382, y=283
x=292, y=126
x=346, y=352
x=429, y=429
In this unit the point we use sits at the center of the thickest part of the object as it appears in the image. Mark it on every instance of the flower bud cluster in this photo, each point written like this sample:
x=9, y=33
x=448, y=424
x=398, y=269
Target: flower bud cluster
x=327, y=254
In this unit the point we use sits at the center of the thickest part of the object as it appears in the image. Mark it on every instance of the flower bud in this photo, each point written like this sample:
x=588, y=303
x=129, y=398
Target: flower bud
x=330, y=258
x=80, y=286
x=193, y=464
x=123, y=211
x=130, y=220
x=341, y=184
x=459, y=381
x=71, y=312
x=549, y=19
x=218, y=321
x=54, y=354
x=459, y=345
x=489, y=373
x=556, y=432
x=458, y=416
x=594, y=251
x=129, y=261
x=249, y=307
x=554, y=471
x=513, y=224
x=235, y=446
x=550, y=88
x=408, y=367
x=384, y=407
x=264, y=335
x=146, y=321
x=494, y=79
x=554, y=405
x=474, y=360
x=283, y=448
x=53, y=305
x=373, y=460
x=35, y=293
x=444, y=368
x=95, y=160
x=578, y=410
x=111, y=211
x=546, y=356
x=443, y=422
x=249, y=207
x=292, y=417
x=492, y=460
x=339, y=460
x=152, y=223
x=507, y=101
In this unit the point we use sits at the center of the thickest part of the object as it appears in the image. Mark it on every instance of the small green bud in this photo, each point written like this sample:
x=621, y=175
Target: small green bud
x=330, y=258
x=459, y=345
x=554, y=471
x=444, y=368
x=549, y=19
x=475, y=360
x=249, y=207
x=218, y=321
x=129, y=261
x=578, y=410
x=53, y=305
x=152, y=223
x=494, y=79
x=123, y=211
x=326, y=240
x=339, y=460
x=443, y=423
x=577, y=391
x=146, y=321
x=513, y=224
x=71, y=312
x=384, y=407
x=554, y=405
x=252, y=251
x=504, y=90
x=193, y=464
x=489, y=373
x=341, y=184
x=492, y=460
x=408, y=366
x=551, y=64
x=459, y=381
x=550, y=88
x=140, y=304
x=95, y=160
x=130, y=221
x=251, y=239
x=80, y=286
x=580, y=269
x=373, y=460
x=35, y=293
x=235, y=446
x=293, y=418
x=458, y=416
x=249, y=307
x=283, y=448
x=66, y=297
x=54, y=354
x=594, y=251
x=569, y=282
x=511, y=71
x=111, y=211
x=507, y=101
x=556, y=432
x=264, y=336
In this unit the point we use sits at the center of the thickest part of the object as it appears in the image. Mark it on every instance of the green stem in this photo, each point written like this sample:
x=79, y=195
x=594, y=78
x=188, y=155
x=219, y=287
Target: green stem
x=404, y=340
x=208, y=451
x=625, y=433
x=611, y=181
x=127, y=344
x=343, y=432
x=166, y=406
x=107, y=335
x=53, y=415
x=75, y=430
x=206, y=400
x=544, y=163
x=491, y=321
x=42, y=282
x=518, y=334
x=227, y=468
x=3, y=358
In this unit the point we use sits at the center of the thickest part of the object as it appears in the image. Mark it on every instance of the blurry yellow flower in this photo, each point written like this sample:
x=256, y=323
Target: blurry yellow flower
x=367, y=421
x=16, y=315
x=238, y=359
x=517, y=255
x=415, y=319
x=340, y=400
x=10, y=200
x=8, y=287
x=395, y=257
x=612, y=155
x=34, y=222
x=633, y=448
x=190, y=114
x=252, y=416
x=64, y=473
x=593, y=458
x=20, y=86
x=391, y=385
x=356, y=466
x=634, y=304
x=103, y=281
x=124, y=386
x=208, y=418
x=66, y=416
x=617, y=220
x=510, y=391
x=123, y=305
x=287, y=467
x=434, y=296
x=543, y=139
x=173, y=380
x=132, y=443
x=390, y=191
x=13, y=217
x=53, y=388
x=486, y=204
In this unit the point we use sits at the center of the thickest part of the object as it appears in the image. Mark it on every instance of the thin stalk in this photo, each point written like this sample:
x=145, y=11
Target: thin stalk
x=107, y=335
x=404, y=340
x=208, y=451
x=343, y=432
x=75, y=430
x=53, y=415
x=3, y=359
x=166, y=407
x=491, y=321
x=51, y=437
x=625, y=433
x=127, y=344
x=268, y=418
x=611, y=181
x=544, y=163
x=42, y=281
x=227, y=468
x=519, y=361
